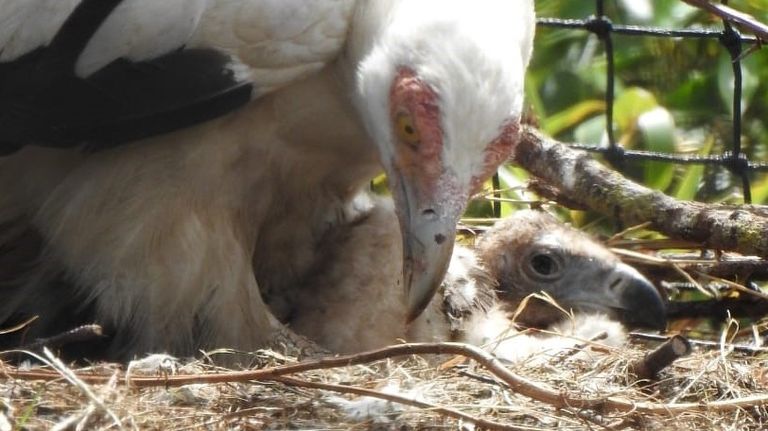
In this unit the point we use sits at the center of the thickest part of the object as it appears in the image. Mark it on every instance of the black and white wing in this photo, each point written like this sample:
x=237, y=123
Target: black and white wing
x=98, y=73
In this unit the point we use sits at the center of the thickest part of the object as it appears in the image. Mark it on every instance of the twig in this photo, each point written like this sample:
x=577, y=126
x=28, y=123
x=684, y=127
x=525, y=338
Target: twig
x=18, y=327
x=735, y=268
x=649, y=366
x=76, y=335
x=73, y=378
x=620, y=235
x=741, y=348
x=729, y=14
x=345, y=389
x=649, y=244
x=479, y=377
x=578, y=348
x=718, y=308
x=736, y=286
x=521, y=385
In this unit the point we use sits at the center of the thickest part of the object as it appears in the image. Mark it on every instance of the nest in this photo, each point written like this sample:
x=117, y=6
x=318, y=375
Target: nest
x=446, y=385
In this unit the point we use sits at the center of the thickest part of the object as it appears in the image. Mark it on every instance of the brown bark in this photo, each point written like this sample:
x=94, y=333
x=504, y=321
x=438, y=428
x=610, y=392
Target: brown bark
x=649, y=366
x=743, y=229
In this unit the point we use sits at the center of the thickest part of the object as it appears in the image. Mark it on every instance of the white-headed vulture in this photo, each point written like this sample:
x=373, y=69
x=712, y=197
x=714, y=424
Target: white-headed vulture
x=167, y=165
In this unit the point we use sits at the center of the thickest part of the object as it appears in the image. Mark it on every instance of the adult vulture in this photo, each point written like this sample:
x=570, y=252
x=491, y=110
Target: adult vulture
x=167, y=163
x=530, y=252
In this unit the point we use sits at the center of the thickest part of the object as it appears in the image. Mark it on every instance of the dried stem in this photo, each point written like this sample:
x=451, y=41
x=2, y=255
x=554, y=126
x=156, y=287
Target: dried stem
x=521, y=385
x=445, y=411
x=76, y=335
x=741, y=348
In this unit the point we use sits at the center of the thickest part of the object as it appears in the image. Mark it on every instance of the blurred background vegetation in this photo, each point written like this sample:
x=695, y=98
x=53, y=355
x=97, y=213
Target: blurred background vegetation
x=672, y=95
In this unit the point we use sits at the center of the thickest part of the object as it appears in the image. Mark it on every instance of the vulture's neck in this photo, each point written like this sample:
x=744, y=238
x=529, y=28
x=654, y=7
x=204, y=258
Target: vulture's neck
x=323, y=160
x=327, y=159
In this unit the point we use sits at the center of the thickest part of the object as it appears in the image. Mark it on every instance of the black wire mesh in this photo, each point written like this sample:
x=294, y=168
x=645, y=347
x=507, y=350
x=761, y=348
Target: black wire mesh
x=734, y=159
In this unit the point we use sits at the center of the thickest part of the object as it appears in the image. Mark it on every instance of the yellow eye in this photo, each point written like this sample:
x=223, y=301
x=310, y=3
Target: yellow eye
x=406, y=130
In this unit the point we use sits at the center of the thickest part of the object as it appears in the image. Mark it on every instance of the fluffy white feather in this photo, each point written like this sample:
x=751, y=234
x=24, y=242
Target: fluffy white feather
x=26, y=25
x=493, y=331
x=477, y=65
x=355, y=304
x=279, y=41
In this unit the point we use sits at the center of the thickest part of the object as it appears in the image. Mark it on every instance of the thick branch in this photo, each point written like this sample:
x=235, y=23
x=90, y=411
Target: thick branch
x=743, y=229
x=718, y=309
x=669, y=351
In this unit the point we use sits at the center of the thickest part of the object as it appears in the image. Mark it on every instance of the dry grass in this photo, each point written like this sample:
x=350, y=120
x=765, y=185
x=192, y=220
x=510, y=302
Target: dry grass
x=445, y=381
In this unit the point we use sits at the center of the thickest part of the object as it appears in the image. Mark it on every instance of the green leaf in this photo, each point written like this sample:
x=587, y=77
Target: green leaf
x=572, y=116
x=725, y=82
x=689, y=184
x=657, y=128
x=379, y=185
x=632, y=103
x=760, y=192
x=591, y=131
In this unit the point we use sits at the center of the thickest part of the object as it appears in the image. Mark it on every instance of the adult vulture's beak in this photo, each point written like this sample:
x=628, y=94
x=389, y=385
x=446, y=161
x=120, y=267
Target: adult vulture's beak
x=428, y=221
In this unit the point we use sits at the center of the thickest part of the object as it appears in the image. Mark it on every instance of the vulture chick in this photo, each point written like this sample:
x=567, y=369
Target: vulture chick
x=530, y=252
x=224, y=141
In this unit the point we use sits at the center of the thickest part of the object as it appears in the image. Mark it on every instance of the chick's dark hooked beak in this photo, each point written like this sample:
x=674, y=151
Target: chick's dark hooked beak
x=640, y=303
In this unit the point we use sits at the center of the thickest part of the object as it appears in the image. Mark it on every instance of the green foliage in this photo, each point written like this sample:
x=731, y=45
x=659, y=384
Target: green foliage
x=672, y=95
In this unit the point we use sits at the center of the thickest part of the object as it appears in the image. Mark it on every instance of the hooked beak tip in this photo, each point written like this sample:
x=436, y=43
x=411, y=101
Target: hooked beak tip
x=422, y=277
x=643, y=306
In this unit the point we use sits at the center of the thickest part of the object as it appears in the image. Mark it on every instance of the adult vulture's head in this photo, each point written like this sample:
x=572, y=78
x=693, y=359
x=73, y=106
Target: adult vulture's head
x=439, y=86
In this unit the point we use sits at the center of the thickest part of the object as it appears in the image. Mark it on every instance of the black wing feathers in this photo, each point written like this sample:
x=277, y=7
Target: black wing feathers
x=43, y=102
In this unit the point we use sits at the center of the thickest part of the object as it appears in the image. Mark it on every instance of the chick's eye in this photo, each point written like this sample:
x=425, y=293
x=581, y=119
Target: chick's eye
x=544, y=266
x=406, y=129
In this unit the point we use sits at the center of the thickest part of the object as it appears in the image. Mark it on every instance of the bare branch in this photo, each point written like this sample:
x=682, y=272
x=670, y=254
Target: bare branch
x=720, y=308
x=742, y=19
x=742, y=348
x=669, y=351
x=76, y=335
x=743, y=229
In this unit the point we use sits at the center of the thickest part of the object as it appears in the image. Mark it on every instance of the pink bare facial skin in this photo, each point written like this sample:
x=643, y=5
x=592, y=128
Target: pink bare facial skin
x=498, y=152
x=422, y=161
